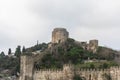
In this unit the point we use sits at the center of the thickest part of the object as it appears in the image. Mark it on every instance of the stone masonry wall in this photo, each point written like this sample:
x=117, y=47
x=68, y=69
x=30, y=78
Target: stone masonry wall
x=26, y=68
x=93, y=45
x=59, y=35
x=86, y=74
x=27, y=72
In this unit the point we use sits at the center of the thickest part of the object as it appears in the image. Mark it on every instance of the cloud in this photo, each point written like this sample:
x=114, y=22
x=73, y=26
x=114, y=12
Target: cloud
x=87, y=13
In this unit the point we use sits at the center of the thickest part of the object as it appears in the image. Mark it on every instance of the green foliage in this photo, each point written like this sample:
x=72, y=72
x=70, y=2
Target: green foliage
x=49, y=61
x=71, y=52
x=18, y=51
x=9, y=51
x=107, y=76
x=23, y=49
x=68, y=52
x=41, y=47
x=2, y=54
x=97, y=65
x=9, y=63
x=77, y=77
x=74, y=55
x=105, y=53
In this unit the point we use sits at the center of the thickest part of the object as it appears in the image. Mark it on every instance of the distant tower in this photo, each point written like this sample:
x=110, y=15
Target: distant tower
x=93, y=45
x=59, y=35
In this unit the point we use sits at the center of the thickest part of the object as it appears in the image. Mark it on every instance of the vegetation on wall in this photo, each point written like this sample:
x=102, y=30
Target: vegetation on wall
x=77, y=77
x=97, y=65
x=106, y=76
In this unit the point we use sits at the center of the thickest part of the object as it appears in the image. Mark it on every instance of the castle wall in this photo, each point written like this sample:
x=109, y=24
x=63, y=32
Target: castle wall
x=27, y=72
x=86, y=74
x=48, y=75
x=115, y=73
x=26, y=68
x=92, y=74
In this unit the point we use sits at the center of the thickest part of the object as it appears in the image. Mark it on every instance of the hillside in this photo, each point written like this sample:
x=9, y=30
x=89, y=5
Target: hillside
x=70, y=52
x=59, y=54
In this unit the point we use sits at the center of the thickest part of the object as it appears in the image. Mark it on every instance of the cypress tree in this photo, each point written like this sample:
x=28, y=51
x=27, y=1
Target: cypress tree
x=9, y=51
x=18, y=51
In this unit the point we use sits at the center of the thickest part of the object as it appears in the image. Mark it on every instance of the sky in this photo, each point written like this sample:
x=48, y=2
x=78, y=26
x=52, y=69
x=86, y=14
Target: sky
x=23, y=22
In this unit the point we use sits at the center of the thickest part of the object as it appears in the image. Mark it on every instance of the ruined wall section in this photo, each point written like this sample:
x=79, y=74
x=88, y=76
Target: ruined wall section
x=93, y=46
x=59, y=35
x=84, y=45
x=26, y=68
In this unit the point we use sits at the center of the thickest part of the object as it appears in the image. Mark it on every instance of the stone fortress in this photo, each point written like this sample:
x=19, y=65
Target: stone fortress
x=59, y=35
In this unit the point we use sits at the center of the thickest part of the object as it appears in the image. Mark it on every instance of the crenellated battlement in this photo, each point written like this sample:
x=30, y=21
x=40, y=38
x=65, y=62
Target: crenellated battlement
x=69, y=71
x=49, y=70
x=78, y=69
x=71, y=67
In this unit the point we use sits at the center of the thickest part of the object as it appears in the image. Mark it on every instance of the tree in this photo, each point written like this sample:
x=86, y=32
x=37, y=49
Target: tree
x=9, y=51
x=23, y=49
x=18, y=51
x=77, y=77
x=2, y=54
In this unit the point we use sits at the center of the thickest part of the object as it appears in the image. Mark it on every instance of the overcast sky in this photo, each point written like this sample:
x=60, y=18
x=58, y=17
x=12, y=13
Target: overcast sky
x=23, y=22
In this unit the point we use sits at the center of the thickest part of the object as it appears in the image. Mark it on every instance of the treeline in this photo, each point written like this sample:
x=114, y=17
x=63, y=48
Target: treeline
x=41, y=47
x=11, y=61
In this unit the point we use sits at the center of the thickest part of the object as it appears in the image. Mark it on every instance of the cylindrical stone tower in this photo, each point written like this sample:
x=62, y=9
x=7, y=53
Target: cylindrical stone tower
x=59, y=35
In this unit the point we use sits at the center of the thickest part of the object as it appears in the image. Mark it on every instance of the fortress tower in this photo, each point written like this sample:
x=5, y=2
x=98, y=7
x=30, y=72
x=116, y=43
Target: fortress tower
x=93, y=45
x=59, y=35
